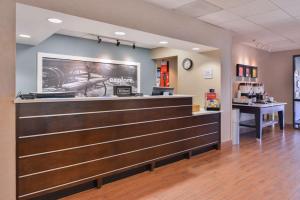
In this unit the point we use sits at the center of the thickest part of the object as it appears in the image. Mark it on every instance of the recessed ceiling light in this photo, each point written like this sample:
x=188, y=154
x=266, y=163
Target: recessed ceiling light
x=120, y=33
x=55, y=20
x=163, y=42
x=196, y=49
x=24, y=36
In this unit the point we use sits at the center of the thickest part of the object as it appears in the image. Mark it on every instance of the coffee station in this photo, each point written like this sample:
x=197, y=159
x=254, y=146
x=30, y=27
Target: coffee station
x=251, y=98
x=252, y=93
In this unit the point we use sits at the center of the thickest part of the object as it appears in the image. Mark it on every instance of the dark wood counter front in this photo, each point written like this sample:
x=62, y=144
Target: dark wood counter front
x=63, y=144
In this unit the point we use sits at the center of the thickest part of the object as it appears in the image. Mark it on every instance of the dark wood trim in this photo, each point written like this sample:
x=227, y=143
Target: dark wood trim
x=49, y=161
x=101, y=167
x=50, y=108
x=91, y=183
x=219, y=145
x=32, y=126
x=17, y=151
x=79, y=138
x=97, y=145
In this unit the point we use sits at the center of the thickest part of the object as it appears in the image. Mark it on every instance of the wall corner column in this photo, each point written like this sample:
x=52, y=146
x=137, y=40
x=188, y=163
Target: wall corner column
x=7, y=95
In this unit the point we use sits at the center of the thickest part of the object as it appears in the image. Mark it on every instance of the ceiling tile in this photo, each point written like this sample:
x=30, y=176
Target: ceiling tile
x=169, y=4
x=242, y=26
x=219, y=17
x=271, y=18
x=229, y=3
x=288, y=48
x=290, y=29
x=266, y=37
x=297, y=40
x=253, y=8
x=290, y=6
x=258, y=46
x=198, y=8
x=284, y=45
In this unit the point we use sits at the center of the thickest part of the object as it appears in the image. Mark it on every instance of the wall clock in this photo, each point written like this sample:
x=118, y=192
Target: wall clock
x=187, y=64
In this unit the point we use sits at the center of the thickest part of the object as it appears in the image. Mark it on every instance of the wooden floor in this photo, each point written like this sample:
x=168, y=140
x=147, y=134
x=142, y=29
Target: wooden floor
x=256, y=171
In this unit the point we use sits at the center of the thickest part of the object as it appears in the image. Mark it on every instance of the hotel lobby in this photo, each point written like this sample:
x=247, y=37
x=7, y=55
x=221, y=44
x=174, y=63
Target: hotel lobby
x=150, y=100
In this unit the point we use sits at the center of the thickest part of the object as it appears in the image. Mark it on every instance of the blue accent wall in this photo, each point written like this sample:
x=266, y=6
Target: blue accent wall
x=26, y=55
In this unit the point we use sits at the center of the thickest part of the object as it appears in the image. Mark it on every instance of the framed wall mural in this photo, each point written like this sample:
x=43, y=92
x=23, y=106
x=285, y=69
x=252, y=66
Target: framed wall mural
x=91, y=77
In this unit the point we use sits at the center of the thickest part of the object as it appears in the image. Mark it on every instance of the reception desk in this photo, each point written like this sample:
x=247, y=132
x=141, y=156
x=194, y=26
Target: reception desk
x=62, y=143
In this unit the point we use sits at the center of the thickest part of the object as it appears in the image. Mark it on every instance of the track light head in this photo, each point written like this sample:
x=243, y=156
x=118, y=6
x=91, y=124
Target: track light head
x=118, y=43
x=99, y=39
x=133, y=46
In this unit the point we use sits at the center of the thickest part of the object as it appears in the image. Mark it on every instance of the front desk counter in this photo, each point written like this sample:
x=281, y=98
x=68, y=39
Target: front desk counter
x=65, y=143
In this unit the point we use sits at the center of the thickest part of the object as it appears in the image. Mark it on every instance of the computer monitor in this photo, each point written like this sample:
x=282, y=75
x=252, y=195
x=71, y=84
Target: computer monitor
x=162, y=91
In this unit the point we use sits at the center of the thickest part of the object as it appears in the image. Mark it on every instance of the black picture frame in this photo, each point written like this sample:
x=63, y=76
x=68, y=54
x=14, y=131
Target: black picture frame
x=240, y=70
x=247, y=71
x=254, y=71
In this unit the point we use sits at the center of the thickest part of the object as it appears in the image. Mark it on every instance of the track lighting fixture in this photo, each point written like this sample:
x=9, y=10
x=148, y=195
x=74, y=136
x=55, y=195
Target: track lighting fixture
x=99, y=39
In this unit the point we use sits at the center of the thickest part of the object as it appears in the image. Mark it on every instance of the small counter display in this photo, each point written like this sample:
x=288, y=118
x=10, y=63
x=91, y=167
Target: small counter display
x=212, y=102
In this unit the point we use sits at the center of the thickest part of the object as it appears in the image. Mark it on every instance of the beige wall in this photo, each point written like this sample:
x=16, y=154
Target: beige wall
x=275, y=71
x=191, y=81
x=7, y=93
x=242, y=54
x=278, y=79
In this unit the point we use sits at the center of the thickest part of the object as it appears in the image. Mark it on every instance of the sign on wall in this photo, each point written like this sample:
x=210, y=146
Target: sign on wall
x=208, y=73
x=86, y=76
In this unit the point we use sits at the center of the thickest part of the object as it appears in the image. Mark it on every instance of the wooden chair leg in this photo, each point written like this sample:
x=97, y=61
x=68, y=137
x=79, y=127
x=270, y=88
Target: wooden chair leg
x=218, y=146
x=152, y=166
x=189, y=155
x=99, y=183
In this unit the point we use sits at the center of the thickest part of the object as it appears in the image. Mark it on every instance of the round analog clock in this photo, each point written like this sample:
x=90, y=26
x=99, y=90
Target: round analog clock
x=187, y=64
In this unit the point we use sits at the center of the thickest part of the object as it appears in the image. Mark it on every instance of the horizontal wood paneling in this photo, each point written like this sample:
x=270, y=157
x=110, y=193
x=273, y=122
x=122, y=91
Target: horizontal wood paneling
x=32, y=109
x=59, y=159
x=31, y=126
x=82, y=143
x=54, y=178
x=79, y=138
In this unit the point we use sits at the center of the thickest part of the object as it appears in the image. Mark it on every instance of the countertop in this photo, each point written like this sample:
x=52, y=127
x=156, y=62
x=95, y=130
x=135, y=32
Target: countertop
x=18, y=100
x=257, y=105
x=206, y=112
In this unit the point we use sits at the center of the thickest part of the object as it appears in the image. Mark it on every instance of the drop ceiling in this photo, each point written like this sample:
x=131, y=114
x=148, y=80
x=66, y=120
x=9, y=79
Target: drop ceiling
x=33, y=21
x=272, y=25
